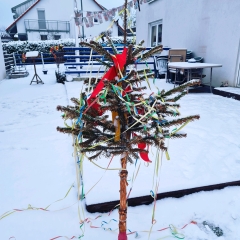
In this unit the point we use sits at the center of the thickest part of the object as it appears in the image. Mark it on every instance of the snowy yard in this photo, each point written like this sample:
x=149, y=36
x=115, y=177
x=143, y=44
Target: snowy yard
x=37, y=168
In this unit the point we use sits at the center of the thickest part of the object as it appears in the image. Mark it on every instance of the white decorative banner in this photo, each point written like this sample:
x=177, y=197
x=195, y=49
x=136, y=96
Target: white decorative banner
x=106, y=14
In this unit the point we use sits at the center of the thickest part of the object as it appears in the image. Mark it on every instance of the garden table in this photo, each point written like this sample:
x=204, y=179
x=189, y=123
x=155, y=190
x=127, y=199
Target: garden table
x=189, y=66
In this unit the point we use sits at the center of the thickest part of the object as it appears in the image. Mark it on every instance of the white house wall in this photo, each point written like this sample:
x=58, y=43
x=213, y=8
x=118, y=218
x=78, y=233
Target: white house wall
x=2, y=64
x=210, y=28
x=63, y=10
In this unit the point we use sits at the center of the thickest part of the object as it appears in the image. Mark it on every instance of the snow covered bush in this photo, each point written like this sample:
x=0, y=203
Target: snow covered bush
x=44, y=46
x=119, y=40
x=41, y=46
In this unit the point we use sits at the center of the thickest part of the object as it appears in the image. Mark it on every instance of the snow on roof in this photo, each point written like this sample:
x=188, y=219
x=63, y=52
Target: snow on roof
x=8, y=28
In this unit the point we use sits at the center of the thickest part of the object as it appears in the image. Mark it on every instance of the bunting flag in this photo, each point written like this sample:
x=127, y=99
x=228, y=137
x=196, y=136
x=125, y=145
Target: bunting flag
x=90, y=20
x=86, y=22
x=107, y=15
x=100, y=17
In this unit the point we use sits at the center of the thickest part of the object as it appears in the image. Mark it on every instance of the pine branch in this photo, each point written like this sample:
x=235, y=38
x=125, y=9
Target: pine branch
x=141, y=43
x=140, y=72
x=112, y=45
x=137, y=51
x=175, y=105
x=98, y=48
x=149, y=75
x=75, y=101
x=131, y=74
x=67, y=130
x=149, y=53
x=178, y=135
x=175, y=99
x=180, y=121
x=106, y=64
x=86, y=143
x=182, y=87
x=95, y=156
x=139, y=89
x=69, y=113
x=93, y=81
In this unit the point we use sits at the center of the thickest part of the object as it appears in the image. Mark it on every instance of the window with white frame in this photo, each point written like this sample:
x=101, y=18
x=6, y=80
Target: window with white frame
x=44, y=37
x=57, y=37
x=155, y=33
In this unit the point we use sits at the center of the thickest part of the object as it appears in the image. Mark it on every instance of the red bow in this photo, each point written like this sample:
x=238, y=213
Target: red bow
x=119, y=60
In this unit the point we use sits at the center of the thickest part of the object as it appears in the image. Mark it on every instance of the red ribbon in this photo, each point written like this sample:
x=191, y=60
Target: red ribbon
x=143, y=155
x=119, y=60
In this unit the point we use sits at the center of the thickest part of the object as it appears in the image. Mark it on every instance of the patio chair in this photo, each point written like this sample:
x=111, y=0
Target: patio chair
x=161, y=65
x=176, y=55
x=189, y=55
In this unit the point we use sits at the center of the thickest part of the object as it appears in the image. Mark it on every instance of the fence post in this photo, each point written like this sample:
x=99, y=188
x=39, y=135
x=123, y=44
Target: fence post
x=42, y=60
x=14, y=59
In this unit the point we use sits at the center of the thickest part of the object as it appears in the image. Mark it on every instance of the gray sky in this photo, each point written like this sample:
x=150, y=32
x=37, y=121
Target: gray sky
x=6, y=16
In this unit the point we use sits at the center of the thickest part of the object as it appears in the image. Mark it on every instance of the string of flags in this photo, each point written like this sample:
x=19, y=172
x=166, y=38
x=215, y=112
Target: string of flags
x=87, y=18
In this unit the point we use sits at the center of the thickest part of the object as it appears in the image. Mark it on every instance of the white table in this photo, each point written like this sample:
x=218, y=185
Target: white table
x=189, y=66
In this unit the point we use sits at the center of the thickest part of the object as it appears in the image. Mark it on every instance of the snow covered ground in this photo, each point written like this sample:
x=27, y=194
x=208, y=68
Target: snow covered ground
x=37, y=168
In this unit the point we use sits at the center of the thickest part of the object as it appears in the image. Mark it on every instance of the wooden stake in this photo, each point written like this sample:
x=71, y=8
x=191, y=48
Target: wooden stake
x=125, y=23
x=124, y=173
x=123, y=201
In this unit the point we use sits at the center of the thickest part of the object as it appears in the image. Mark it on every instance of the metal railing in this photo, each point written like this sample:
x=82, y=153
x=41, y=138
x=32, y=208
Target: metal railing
x=46, y=26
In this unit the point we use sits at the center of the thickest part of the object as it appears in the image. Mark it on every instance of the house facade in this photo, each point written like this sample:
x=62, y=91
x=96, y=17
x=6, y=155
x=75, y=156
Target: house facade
x=209, y=28
x=54, y=19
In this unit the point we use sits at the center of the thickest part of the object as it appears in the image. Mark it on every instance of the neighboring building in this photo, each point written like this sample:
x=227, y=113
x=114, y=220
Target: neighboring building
x=54, y=19
x=210, y=28
x=2, y=63
x=5, y=37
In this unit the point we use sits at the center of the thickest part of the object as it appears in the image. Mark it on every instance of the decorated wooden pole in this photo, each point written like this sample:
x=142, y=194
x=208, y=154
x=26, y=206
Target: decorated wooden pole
x=122, y=235
x=138, y=120
x=123, y=201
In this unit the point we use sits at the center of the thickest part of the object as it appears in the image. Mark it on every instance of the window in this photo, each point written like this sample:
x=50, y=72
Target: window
x=155, y=33
x=95, y=21
x=22, y=36
x=43, y=37
x=57, y=37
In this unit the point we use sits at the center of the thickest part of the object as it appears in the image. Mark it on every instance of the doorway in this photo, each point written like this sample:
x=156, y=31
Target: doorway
x=41, y=19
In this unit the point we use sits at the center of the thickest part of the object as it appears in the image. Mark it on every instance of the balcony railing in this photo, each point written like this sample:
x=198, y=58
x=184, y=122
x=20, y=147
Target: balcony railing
x=46, y=26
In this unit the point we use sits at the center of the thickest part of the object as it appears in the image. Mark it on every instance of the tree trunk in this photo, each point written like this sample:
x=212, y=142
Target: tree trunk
x=123, y=201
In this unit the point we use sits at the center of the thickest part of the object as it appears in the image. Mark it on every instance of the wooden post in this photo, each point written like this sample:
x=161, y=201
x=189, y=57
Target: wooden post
x=123, y=201
x=124, y=173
